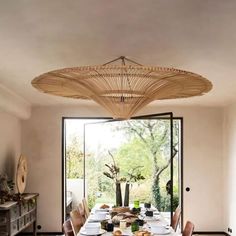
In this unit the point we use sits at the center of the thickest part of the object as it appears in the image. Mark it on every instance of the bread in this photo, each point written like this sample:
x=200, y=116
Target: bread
x=117, y=233
x=104, y=206
x=128, y=217
x=142, y=233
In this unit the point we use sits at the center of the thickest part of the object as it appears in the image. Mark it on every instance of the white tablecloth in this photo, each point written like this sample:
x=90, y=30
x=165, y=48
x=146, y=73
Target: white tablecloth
x=157, y=219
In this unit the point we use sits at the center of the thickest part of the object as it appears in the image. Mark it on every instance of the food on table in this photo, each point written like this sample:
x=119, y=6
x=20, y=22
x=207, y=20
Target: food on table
x=104, y=206
x=117, y=232
x=142, y=233
x=128, y=217
x=120, y=209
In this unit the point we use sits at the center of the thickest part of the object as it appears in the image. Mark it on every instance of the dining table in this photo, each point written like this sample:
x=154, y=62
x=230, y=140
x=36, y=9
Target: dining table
x=150, y=222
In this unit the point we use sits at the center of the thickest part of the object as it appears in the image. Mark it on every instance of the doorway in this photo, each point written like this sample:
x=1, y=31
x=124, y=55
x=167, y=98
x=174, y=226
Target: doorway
x=139, y=147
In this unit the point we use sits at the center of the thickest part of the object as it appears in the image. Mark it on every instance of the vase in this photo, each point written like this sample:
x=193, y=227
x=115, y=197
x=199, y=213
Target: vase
x=126, y=199
x=118, y=195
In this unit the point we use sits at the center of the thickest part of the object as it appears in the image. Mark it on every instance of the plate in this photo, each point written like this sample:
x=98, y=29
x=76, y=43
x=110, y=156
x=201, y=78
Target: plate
x=168, y=231
x=101, y=231
x=151, y=218
x=94, y=219
x=102, y=210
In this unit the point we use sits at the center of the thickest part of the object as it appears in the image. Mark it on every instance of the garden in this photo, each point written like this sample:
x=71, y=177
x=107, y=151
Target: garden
x=134, y=152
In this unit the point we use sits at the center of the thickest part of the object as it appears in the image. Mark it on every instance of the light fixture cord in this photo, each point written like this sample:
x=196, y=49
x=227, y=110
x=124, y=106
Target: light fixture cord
x=123, y=62
x=123, y=59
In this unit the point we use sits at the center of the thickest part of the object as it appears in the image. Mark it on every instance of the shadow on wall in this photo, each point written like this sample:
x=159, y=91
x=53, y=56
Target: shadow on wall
x=10, y=165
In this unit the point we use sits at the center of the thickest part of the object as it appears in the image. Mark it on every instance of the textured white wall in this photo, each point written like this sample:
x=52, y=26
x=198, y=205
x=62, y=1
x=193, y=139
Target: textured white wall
x=41, y=142
x=229, y=167
x=10, y=144
x=13, y=104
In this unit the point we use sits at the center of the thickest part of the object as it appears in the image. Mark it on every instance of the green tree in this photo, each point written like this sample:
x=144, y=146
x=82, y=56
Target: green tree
x=154, y=135
x=74, y=159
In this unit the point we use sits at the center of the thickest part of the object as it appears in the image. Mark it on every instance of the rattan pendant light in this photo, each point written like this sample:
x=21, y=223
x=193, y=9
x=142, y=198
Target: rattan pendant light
x=122, y=86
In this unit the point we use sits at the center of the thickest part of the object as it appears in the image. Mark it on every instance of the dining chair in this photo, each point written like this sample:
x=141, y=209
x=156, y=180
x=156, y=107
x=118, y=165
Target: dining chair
x=188, y=229
x=82, y=212
x=86, y=208
x=76, y=221
x=176, y=218
x=67, y=228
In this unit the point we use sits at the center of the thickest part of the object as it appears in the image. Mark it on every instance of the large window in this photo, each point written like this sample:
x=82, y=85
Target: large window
x=139, y=148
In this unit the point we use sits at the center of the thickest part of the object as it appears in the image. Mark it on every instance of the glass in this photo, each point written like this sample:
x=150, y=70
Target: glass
x=140, y=222
x=136, y=203
x=122, y=224
x=110, y=227
x=147, y=205
x=134, y=226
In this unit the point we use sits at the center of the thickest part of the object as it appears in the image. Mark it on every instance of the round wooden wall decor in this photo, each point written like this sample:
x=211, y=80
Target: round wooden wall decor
x=21, y=174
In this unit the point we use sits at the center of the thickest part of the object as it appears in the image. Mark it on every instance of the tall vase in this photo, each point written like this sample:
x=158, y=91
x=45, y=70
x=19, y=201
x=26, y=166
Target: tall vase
x=126, y=200
x=118, y=195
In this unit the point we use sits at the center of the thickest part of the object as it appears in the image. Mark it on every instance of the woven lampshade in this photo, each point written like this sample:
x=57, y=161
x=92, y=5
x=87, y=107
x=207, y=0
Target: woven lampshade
x=122, y=89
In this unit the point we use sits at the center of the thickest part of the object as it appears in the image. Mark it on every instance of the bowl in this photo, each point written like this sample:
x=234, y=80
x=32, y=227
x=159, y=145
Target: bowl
x=92, y=228
x=102, y=210
x=149, y=213
x=100, y=215
x=147, y=205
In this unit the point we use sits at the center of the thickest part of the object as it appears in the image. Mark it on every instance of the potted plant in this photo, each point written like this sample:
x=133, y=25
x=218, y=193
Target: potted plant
x=133, y=176
x=114, y=174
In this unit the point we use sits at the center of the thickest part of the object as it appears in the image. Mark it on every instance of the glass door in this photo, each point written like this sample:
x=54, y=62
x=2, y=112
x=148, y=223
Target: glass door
x=144, y=149
x=140, y=148
x=164, y=152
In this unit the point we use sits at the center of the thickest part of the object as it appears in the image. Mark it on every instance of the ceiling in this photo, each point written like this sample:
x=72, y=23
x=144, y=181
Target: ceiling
x=39, y=36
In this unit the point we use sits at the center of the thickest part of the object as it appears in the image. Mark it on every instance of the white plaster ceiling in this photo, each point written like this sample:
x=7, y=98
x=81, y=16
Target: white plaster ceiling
x=43, y=35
